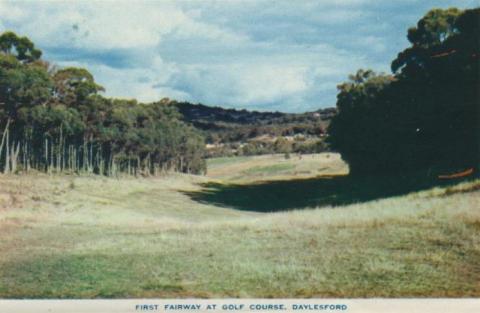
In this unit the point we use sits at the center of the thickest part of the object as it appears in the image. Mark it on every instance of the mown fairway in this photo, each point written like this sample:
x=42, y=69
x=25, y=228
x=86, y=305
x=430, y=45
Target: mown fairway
x=191, y=236
x=248, y=169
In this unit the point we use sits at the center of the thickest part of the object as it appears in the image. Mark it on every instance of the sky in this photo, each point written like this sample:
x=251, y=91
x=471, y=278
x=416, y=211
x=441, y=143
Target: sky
x=261, y=55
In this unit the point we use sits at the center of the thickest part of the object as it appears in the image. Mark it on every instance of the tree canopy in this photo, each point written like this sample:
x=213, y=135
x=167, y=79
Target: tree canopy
x=21, y=47
x=56, y=120
x=426, y=115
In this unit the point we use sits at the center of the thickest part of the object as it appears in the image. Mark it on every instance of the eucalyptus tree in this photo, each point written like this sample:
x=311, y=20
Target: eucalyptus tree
x=56, y=120
x=425, y=116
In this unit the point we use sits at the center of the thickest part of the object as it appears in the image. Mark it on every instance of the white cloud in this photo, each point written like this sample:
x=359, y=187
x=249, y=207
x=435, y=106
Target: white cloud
x=258, y=54
x=97, y=25
x=175, y=49
x=133, y=82
x=240, y=84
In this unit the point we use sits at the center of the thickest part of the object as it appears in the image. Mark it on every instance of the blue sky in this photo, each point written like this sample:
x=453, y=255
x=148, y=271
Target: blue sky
x=260, y=55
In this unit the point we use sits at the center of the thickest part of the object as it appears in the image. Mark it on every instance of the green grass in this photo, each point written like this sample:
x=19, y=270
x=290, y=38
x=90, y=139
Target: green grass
x=307, y=193
x=215, y=162
x=88, y=237
x=269, y=170
x=275, y=167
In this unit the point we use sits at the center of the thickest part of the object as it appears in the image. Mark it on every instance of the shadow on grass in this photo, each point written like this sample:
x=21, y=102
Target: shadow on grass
x=274, y=196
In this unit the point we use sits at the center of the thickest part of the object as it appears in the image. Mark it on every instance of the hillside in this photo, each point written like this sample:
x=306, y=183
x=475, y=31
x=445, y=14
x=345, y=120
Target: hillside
x=199, y=113
x=227, y=131
x=191, y=236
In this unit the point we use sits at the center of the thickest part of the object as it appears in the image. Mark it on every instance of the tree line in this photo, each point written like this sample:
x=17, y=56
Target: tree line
x=424, y=116
x=55, y=120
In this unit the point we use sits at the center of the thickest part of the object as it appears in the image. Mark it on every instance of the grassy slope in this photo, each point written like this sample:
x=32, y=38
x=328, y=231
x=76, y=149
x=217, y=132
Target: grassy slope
x=98, y=237
x=275, y=167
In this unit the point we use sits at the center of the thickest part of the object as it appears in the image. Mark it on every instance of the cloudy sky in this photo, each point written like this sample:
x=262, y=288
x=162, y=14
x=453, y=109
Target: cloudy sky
x=263, y=55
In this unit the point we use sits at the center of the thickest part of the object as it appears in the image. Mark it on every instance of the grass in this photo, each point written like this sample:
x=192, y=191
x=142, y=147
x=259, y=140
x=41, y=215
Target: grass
x=269, y=170
x=274, y=167
x=93, y=237
x=285, y=195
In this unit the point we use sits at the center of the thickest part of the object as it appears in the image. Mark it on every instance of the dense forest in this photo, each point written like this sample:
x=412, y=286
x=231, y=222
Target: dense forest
x=54, y=120
x=425, y=116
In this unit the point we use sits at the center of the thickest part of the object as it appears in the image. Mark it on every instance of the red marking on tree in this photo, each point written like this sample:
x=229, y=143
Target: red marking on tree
x=457, y=175
x=444, y=54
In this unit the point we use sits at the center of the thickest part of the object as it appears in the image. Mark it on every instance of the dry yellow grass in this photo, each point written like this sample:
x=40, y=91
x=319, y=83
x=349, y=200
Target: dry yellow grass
x=83, y=237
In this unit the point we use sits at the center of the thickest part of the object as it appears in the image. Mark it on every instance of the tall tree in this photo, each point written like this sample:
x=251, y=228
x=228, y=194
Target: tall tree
x=56, y=120
x=425, y=117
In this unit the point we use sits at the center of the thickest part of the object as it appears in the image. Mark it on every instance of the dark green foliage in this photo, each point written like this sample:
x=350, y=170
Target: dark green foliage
x=55, y=120
x=424, y=117
x=21, y=47
x=74, y=85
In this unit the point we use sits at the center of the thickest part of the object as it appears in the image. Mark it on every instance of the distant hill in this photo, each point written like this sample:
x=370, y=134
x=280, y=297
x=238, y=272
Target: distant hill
x=229, y=130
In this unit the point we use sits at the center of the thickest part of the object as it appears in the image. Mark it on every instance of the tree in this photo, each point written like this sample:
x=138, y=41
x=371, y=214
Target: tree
x=360, y=120
x=23, y=85
x=56, y=121
x=431, y=32
x=425, y=116
x=74, y=85
x=20, y=47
